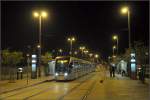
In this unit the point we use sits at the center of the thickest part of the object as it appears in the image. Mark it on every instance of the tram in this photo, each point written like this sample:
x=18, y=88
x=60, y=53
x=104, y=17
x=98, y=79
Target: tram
x=70, y=68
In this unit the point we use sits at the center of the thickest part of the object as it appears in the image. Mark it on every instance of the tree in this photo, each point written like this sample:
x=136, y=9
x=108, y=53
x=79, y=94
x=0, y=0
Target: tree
x=11, y=59
x=45, y=59
x=141, y=51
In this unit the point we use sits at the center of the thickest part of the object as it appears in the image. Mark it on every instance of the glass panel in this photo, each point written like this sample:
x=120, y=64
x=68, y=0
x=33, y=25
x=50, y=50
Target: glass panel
x=61, y=65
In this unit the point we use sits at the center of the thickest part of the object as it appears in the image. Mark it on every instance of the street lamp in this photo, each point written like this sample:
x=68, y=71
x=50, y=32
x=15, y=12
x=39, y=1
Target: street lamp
x=114, y=47
x=82, y=50
x=60, y=50
x=125, y=10
x=75, y=52
x=86, y=51
x=115, y=37
x=71, y=40
x=40, y=15
x=96, y=56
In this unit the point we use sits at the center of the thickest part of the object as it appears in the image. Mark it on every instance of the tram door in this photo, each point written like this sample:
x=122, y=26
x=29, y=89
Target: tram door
x=51, y=67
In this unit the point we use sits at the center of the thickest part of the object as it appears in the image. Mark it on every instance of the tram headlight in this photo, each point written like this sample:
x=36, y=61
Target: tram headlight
x=56, y=74
x=65, y=74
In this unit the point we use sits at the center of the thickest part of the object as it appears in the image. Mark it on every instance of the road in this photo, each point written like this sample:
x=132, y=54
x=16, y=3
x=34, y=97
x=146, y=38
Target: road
x=88, y=87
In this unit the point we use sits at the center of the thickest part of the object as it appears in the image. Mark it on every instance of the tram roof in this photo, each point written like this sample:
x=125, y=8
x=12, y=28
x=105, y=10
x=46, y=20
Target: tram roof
x=59, y=57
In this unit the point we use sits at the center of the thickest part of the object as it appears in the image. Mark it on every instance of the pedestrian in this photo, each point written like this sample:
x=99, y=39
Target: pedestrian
x=113, y=69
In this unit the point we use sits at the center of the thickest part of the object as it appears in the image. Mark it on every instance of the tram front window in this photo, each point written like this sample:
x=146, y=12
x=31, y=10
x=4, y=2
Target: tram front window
x=61, y=65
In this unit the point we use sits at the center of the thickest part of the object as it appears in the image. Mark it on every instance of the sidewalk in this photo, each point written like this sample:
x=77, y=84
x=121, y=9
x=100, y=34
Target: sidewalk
x=6, y=86
x=119, y=88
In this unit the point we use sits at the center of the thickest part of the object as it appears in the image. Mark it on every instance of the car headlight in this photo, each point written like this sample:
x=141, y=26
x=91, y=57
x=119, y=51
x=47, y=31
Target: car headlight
x=56, y=74
x=66, y=74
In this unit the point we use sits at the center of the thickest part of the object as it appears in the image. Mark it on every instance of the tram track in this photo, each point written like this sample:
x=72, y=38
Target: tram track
x=34, y=87
x=81, y=81
x=76, y=87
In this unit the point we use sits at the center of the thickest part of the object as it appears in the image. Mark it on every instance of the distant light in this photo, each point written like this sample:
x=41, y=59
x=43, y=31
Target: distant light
x=38, y=46
x=90, y=54
x=34, y=56
x=68, y=39
x=33, y=61
x=114, y=56
x=27, y=55
x=96, y=55
x=73, y=39
x=132, y=54
x=60, y=50
x=75, y=52
x=114, y=47
x=133, y=60
x=82, y=48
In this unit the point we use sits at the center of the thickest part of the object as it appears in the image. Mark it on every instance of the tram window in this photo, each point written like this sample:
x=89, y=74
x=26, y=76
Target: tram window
x=61, y=65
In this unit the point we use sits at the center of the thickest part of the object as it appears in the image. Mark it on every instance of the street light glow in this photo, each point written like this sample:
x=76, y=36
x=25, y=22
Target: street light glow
x=115, y=37
x=36, y=14
x=71, y=39
x=43, y=14
x=124, y=10
x=114, y=47
x=60, y=50
x=38, y=46
x=82, y=48
x=40, y=14
x=90, y=54
x=96, y=55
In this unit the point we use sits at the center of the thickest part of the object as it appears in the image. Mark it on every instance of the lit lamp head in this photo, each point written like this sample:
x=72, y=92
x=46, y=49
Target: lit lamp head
x=82, y=48
x=124, y=10
x=60, y=50
x=96, y=55
x=115, y=37
x=38, y=46
x=114, y=47
x=86, y=51
x=36, y=14
x=90, y=54
x=75, y=52
x=73, y=39
x=42, y=14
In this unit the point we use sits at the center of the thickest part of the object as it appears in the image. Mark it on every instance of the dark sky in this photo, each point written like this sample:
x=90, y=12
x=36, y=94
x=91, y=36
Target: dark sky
x=92, y=23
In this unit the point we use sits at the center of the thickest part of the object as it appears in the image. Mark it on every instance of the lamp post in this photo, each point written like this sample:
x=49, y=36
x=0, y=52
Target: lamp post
x=82, y=50
x=125, y=10
x=114, y=47
x=40, y=15
x=96, y=56
x=60, y=51
x=28, y=61
x=71, y=40
x=115, y=37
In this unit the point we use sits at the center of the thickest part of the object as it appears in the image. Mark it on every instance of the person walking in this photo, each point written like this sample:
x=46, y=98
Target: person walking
x=112, y=70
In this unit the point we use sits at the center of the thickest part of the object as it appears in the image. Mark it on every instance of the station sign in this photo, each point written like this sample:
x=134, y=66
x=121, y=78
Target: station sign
x=34, y=66
x=133, y=62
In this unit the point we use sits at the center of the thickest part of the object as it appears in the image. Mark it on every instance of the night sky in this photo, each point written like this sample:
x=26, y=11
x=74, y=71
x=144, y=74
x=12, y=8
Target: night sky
x=92, y=23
